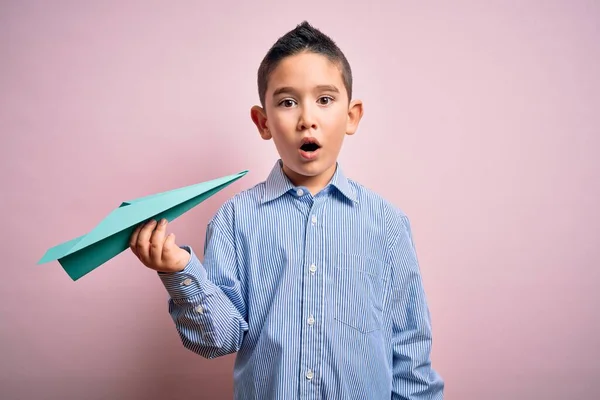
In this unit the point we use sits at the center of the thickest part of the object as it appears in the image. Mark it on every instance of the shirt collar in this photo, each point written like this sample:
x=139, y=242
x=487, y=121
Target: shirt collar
x=277, y=184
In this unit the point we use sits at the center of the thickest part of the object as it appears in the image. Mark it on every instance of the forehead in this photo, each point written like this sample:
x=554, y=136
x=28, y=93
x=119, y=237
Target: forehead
x=304, y=71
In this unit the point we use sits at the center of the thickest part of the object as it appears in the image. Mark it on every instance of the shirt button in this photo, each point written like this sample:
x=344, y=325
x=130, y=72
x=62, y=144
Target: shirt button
x=309, y=374
x=314, y=219
x=200, y=309
x=299, y=192
x=313, y=268
x=311, y=320
x=187, y=282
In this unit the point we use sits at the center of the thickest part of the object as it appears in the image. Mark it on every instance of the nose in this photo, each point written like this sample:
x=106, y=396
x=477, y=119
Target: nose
x=306, y=119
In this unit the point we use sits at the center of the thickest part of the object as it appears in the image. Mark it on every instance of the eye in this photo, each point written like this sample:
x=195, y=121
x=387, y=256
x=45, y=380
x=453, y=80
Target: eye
x=287, y=103
x=325, y=100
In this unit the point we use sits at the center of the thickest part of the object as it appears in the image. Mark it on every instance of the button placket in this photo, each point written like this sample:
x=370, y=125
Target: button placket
x=312, y=296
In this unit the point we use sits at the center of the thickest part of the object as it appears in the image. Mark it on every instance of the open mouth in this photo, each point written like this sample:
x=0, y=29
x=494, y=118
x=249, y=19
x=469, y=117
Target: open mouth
x=310, y=145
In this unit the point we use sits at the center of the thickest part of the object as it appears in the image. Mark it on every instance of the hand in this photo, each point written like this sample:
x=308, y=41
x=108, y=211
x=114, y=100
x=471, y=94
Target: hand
x=156, y=252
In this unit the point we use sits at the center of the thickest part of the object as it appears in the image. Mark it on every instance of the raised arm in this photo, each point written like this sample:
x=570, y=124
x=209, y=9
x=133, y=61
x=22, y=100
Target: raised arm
x=205, y=302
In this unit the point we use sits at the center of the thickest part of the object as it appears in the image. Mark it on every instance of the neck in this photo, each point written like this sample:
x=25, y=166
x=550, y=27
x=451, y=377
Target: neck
x=313, y=183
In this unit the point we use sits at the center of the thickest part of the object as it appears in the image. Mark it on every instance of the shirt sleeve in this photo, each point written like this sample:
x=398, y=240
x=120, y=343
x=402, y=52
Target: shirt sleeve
x=208, y=309
x=411, y=337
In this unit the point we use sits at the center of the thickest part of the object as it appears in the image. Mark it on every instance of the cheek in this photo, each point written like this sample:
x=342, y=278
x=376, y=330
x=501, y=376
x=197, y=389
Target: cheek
x=334, y=121
x=279, y=124
x=283, y=131
x=282, y=119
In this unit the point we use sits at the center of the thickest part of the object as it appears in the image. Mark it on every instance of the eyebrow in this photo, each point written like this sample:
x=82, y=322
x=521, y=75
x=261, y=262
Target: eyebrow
x=288, y=89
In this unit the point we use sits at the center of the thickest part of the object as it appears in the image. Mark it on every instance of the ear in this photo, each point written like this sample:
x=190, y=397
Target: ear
x=259, y=117
x=355, y=113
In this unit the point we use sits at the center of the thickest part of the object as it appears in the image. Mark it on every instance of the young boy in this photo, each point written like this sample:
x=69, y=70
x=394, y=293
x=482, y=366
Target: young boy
x=309, y=277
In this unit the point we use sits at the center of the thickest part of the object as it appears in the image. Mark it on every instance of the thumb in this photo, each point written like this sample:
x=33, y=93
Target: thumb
x=169, y=244
x=172, y=253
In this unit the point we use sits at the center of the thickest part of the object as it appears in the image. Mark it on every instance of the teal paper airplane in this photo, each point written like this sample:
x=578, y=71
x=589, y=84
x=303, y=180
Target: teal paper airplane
x=110, y=237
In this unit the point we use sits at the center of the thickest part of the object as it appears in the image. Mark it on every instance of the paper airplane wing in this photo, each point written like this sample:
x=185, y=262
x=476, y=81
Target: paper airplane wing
x=110, y=237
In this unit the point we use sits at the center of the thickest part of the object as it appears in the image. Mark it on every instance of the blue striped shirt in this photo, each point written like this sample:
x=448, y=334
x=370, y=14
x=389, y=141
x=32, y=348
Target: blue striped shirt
x=320, y=297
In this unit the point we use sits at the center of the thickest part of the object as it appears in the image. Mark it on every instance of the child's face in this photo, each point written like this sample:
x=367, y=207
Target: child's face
x=306, y=101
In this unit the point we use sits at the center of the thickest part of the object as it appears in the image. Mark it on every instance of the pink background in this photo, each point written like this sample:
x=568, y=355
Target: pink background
x=481, y=122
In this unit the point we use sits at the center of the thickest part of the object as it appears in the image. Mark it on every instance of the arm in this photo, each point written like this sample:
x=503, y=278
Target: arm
x=208, y=312
x=411, y=335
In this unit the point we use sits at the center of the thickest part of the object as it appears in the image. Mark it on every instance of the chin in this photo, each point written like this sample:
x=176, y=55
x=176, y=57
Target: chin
x=311, y=168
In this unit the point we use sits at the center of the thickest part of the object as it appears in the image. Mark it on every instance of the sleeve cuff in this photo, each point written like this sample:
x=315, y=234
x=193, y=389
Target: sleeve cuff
x=188, y=282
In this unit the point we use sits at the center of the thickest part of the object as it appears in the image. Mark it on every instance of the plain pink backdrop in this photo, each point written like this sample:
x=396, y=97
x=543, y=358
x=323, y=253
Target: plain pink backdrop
x=481, y=122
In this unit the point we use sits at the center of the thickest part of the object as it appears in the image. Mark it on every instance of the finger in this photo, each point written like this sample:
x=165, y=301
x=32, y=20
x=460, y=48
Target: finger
x=133, y=239
x=156, y=242
x=143, y=241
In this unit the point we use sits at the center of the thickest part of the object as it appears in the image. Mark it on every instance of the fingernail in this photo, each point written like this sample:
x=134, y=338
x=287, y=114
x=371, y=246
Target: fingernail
x=163, y=221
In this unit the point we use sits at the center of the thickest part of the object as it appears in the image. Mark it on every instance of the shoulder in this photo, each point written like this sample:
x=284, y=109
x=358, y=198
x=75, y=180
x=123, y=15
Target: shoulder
x=244, y=202
x=370, y=201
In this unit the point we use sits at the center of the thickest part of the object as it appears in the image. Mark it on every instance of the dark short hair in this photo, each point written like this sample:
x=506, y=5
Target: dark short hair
x=302, y=38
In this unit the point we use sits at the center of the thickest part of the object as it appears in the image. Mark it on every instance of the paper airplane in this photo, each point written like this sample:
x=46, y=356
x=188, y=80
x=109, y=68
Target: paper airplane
x=110, y=237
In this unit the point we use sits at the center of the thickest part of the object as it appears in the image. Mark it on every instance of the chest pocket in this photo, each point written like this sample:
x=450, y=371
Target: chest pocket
x=359, y=287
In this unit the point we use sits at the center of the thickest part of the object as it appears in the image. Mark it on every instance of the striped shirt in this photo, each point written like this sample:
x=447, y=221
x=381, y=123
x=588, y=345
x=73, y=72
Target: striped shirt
x=320, y=297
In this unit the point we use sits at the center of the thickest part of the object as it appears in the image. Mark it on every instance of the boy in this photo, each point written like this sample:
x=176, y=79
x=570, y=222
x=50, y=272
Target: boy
x=309, y=277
